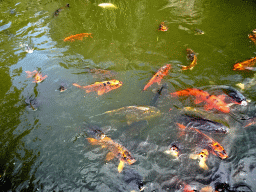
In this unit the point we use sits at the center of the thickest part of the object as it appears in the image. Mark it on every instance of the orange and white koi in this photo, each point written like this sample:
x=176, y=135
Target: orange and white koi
x=253, y=36
x=101, y=87
x=214, y=147
x=212, y=101
x=162, y=27
x=245, y=65
x=38, y=77
x=174, y=151
x=116, y=150
x=163, y=71
x=202, y=157
x=78, y=36
x=192, y=58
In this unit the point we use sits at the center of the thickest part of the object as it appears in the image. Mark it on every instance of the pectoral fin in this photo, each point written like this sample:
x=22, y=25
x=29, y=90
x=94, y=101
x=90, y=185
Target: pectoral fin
x=110, y=156
x=120, y=166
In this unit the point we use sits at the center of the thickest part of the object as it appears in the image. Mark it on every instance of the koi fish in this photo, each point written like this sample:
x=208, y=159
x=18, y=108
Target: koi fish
x=214, y=147
x=77, y=36
x=38, y=77
x=234, y=94
x=204, y=124
x=245, y=65
x=107, y=5
x=56, y=13
x=101, y=87
x=163, y=71
x=162, y=27
x=253, y=36
x=31, y=103
x=100, y=72
x=174, y=150
x=116, y=150
x=191, y=56
x=135, y=113
x=212, y=101
x=202, y=157
x=199, y=32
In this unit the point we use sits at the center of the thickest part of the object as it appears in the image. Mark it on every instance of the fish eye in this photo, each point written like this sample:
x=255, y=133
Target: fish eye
x=108, y=82
x=104, y=84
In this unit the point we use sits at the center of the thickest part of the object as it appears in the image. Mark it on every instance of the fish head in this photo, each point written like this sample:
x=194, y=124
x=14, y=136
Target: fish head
x=254, y=31
x=127, y=157
x=219, y=150
x=114, y=84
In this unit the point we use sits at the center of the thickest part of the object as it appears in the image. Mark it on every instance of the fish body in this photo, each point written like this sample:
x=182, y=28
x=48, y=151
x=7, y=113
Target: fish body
x=78, y=37
x=116, y=150
x=212, y=101
x=38, y=77
x=162, y=27
x=101, y=87
x=163, y=71
x=136, y=113
x=234, y=94
x=213, y=146
x=107, y=5
x=199, y=31
x=101, y=72
x=245, y=65
x=56, y=13
x=191, y=56
x=252, y=36
x=204, y=124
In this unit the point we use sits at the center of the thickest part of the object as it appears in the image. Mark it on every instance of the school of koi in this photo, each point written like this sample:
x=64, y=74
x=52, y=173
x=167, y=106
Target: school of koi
x=199, y=126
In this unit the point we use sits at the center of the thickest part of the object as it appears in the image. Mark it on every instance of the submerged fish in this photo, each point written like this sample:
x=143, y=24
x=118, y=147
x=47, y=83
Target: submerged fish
x=157, y=95
x=162, y=27
x=101, y=87
x=199, y=31
x=31, y=103
x=100, y=72
x=204, y=124
x=191, y=56
x=202, y=157
x=212, y=101
x=107, y=5
x=246, y=65
x=116, y=150
x=38, y=77
x=252, y=36
x=78, y=36
x=163, y=71
x=56, y=13
x=212, y=145
x=136, y=113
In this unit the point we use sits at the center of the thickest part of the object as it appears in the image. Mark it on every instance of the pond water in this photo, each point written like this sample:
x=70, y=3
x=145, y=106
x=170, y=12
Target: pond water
x=45, y=149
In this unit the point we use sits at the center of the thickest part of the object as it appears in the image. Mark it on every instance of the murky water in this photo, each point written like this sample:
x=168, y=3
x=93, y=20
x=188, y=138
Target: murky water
x=43, y=149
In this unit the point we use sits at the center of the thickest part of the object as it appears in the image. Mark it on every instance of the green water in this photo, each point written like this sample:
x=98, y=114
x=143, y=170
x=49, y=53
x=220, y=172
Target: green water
x=38, y=149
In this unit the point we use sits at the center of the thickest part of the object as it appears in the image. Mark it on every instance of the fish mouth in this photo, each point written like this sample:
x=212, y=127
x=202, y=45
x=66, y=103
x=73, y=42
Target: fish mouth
x=244, y=103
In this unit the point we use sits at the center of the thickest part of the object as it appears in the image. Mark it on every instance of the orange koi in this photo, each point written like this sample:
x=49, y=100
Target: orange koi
x=101, y=87
x=245, y=64
x=163, y=71
x=162, y=27
x=202, y=157
x=192, y=58
x=38, y=77
x=213, y=145
x=78, y=36
x=212, y=101
x=116, y=150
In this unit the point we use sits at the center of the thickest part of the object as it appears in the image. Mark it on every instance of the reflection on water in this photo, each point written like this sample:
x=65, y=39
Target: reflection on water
x=43, y=140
